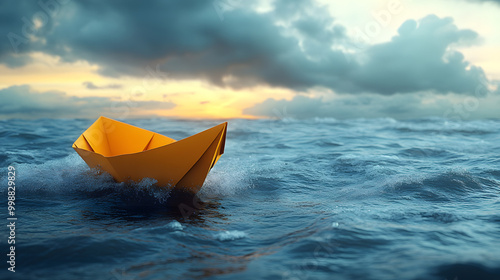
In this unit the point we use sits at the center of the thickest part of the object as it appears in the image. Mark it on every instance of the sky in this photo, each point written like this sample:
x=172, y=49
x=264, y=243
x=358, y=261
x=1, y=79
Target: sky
x=223, y=59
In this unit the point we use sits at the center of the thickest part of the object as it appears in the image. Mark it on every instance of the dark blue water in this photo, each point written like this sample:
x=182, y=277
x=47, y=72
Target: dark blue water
x=290, y=199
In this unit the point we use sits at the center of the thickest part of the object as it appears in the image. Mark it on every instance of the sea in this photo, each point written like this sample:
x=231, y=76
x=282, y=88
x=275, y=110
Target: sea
x=290, y=199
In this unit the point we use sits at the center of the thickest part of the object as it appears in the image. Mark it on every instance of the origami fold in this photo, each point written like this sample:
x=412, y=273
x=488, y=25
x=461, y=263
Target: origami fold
x=130, y=153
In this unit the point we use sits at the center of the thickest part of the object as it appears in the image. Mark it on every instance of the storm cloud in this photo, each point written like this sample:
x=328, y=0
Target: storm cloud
x=418, y=59
x=290, y=46
x=24, y=102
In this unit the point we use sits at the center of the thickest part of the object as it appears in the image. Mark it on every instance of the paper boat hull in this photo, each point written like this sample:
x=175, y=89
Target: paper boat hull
x=130, y=153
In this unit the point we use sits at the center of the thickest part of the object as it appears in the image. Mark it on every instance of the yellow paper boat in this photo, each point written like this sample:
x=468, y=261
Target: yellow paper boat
x=129, y=153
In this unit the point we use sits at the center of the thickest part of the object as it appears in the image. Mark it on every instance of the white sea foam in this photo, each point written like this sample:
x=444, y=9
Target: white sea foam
x=227, y=178
x=71, y=174
x=175, y=225
x=53, y=175
x=230, y=235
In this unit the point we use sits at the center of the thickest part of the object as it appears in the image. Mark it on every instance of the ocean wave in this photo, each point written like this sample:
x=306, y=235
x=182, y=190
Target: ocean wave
x=426, y=152
x=230, y=235
x=440, y=187
x=447, y=127
x=467, y=271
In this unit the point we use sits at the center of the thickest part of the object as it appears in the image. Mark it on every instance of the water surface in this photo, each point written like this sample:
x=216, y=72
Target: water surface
x=290, y=199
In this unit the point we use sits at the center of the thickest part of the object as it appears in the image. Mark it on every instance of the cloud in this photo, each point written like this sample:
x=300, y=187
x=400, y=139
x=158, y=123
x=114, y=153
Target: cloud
x=23, y=25
x=398, y=106
x=187, y=40
x=418, y=59
x=23, y=102
x=91, y=85
x=291, y=46
x=497, y=90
